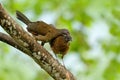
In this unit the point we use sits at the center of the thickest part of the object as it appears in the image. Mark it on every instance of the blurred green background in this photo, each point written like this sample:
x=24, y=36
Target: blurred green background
x=94, y=25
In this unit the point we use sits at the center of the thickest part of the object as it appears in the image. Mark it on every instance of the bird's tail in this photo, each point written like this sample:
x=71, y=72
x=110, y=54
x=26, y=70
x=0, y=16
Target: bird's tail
x=22, y=17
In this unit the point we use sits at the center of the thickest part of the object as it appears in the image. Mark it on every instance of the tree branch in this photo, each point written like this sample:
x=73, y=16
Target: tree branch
x=7, y=39
x=21, y=40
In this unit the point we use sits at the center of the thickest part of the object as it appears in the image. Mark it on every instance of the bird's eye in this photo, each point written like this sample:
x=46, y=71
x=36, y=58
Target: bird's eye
x=64, y=35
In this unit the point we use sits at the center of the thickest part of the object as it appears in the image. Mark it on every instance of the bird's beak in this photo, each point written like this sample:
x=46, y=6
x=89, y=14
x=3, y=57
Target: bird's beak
x=68, y=38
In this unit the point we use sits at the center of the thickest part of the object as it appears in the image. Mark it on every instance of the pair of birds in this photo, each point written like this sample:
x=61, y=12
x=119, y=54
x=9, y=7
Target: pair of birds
x=59, y=39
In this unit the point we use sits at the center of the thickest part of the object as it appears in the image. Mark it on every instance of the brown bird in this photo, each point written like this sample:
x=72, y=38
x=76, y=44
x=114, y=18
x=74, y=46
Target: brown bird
x=40, y=30
x=57, y=38
x=60, y=44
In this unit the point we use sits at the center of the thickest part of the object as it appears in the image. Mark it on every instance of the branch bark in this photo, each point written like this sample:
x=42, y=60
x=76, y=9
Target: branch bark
x=21, y=40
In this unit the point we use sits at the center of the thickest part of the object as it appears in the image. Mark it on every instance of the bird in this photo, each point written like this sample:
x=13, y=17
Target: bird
x=39, y=29
x=59, y=39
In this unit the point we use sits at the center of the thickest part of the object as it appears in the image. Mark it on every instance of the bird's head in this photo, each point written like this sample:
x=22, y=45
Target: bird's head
x=66, y=35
